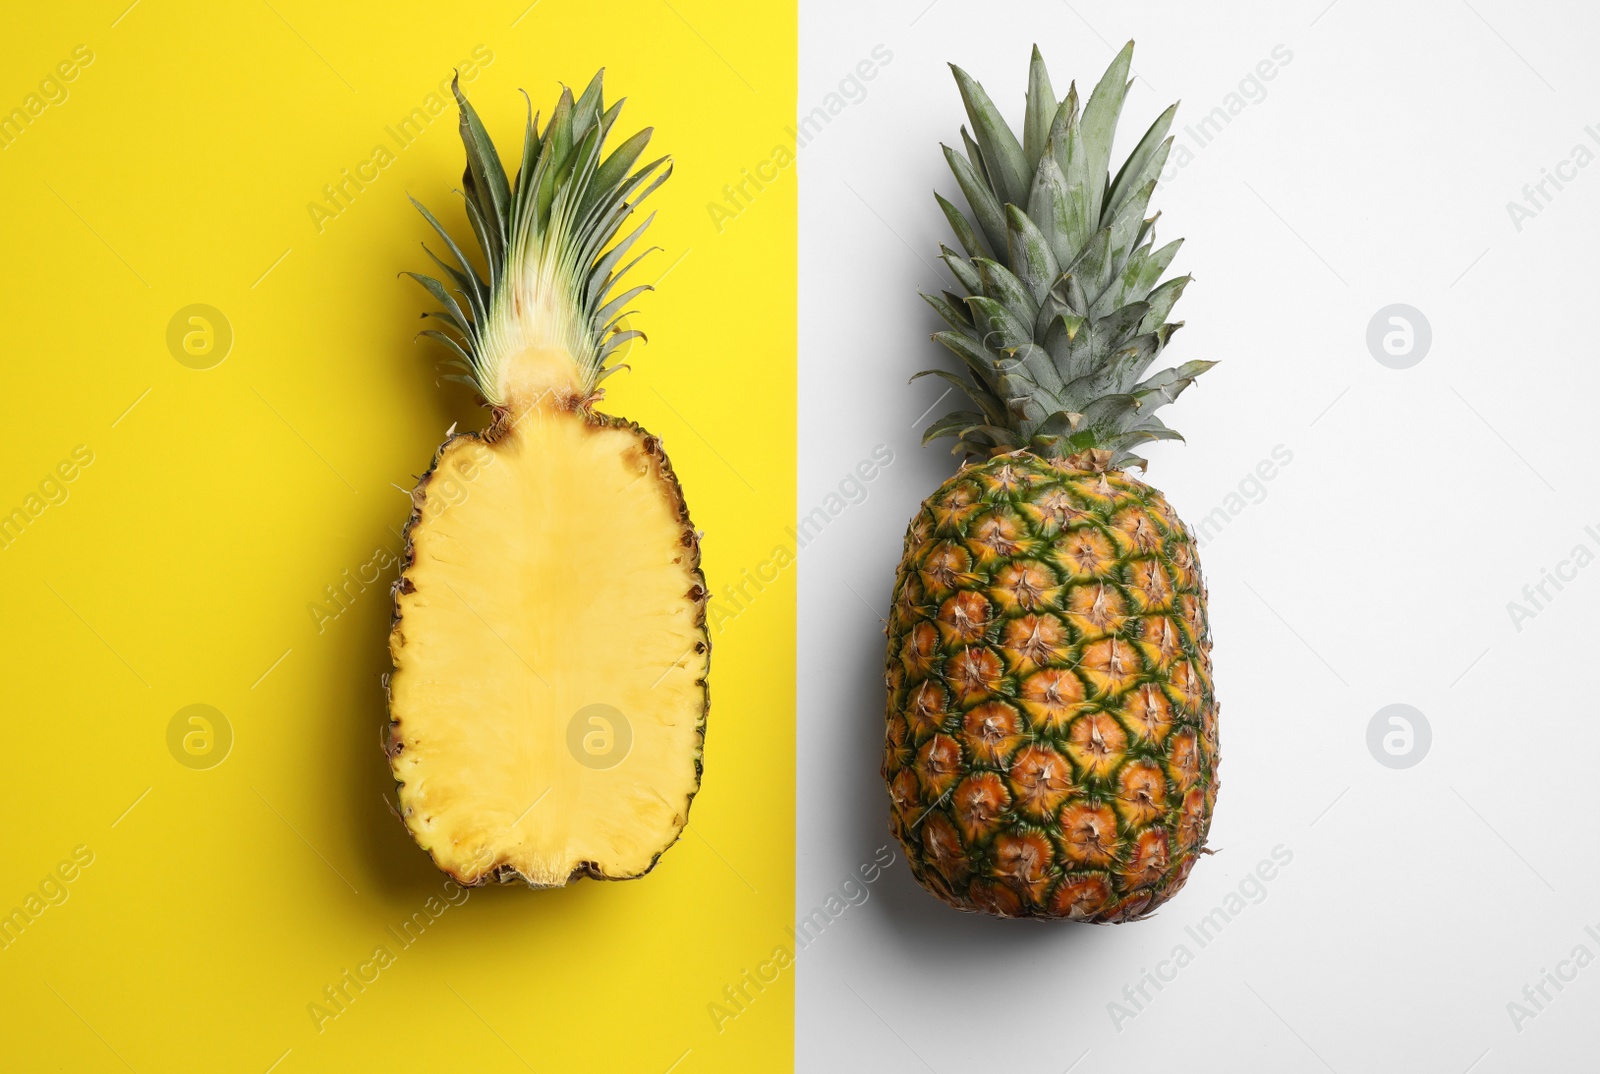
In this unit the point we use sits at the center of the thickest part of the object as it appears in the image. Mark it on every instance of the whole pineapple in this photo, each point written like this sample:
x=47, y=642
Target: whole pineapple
x=1051, y=748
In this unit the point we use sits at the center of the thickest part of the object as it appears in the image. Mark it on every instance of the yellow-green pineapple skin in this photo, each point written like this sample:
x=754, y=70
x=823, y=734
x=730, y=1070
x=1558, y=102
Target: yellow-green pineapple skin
x=1051, y=747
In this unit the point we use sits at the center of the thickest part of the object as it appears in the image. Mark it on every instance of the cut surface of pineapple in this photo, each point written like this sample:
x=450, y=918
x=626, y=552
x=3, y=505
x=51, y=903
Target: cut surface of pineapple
x=548, y=702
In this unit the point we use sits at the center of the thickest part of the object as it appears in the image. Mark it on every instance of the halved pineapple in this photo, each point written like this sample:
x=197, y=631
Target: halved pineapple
x=548, y=703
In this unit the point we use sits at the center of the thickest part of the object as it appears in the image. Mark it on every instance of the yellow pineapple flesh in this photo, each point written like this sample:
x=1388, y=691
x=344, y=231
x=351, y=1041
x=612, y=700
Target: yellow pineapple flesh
x=548, y=702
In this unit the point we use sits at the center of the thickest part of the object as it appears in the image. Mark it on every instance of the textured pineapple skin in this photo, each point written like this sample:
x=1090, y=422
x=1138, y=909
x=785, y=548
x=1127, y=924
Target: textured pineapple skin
x=1051, y=741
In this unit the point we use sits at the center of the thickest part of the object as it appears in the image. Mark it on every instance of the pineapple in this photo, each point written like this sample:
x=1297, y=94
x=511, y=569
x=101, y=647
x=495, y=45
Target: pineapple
x=548, y=702
x=1051, y=748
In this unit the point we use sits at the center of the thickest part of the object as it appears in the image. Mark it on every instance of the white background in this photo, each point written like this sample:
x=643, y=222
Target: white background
x=1375, y=569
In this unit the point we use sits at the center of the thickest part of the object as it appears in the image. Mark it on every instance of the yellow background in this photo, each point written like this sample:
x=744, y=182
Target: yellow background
x=181, y=567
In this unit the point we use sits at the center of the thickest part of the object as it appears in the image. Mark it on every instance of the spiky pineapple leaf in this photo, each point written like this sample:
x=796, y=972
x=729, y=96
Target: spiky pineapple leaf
x=1002, y=154
x=955, y=422
x=993, y=410
x=1029, y=253
x=485, y=177
x=979, y=197
x=997, y=282
x=1146, y=160
x=1041, y=111
x=961, y=269
x=1100, y=117
x=950, y=313
x=968, y=238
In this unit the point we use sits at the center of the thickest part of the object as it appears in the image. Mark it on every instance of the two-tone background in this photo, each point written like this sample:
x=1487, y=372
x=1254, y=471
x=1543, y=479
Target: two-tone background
x=1389, y=214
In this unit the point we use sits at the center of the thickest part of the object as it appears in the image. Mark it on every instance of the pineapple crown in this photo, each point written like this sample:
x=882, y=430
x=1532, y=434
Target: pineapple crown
x=1062, y=315
x=547, y=242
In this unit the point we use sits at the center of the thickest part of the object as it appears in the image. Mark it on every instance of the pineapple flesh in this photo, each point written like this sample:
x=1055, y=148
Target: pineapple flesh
x=548, y=702
x=1051, y=744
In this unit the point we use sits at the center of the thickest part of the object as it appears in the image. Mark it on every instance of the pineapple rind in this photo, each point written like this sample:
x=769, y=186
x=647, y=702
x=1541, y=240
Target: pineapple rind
x=1051, y=744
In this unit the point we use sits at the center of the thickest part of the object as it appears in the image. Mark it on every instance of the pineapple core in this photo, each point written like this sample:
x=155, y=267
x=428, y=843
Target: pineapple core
x=549, y=695
x=545, y=377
